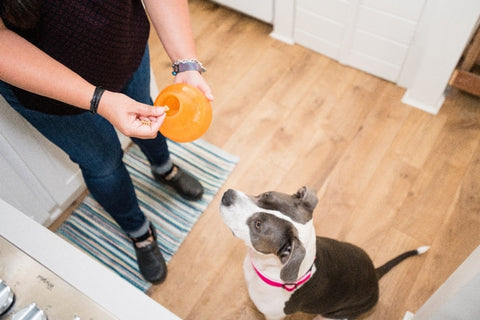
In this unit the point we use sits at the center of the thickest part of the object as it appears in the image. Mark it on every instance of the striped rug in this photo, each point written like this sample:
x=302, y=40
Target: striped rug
x=93, y=231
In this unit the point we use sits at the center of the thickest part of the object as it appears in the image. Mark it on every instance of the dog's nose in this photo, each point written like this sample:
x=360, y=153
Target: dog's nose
x=228, y=197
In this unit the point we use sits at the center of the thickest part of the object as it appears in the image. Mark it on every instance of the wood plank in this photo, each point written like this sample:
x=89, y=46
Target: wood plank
x=417, y=137
x=431, y=196
x=472, y=53
x=465, y=77
x=466, y=81
x=375, y=132
x=457, y=235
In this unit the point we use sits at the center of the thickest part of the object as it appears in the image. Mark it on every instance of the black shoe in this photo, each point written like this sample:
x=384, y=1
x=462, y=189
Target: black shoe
x=149, y=258
x=186, y=186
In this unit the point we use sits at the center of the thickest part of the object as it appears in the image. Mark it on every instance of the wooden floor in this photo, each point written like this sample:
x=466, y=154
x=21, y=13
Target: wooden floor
x=389, y=177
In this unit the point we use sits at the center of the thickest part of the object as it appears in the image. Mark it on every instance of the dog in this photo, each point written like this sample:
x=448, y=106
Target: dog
x=289, y=269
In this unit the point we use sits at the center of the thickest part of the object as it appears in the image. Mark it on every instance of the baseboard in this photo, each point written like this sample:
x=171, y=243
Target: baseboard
x=430, y=108
x=282, y=38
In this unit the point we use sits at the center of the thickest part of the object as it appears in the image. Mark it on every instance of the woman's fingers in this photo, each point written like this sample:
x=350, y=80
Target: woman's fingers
x=131, y=118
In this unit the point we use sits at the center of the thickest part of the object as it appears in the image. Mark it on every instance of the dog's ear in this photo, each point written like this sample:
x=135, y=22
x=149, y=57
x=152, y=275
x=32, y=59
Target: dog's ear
x=291, y=255
x=308, y=196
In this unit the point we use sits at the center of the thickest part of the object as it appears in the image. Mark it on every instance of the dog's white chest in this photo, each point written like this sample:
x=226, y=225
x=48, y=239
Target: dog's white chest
x=268, y=299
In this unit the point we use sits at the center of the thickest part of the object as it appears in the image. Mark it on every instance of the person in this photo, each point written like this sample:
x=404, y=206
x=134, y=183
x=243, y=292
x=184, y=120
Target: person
x=61, y=59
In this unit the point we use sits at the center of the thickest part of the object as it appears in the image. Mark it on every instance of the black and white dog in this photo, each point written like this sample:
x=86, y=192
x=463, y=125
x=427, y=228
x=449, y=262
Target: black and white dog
x=289, y=269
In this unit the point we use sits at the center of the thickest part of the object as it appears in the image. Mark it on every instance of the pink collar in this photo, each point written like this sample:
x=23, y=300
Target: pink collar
x=285, y=285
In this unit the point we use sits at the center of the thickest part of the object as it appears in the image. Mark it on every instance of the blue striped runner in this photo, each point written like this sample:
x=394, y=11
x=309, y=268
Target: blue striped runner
x=93, y=231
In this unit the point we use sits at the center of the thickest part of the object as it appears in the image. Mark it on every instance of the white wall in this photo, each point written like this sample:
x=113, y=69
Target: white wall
x=443, y=33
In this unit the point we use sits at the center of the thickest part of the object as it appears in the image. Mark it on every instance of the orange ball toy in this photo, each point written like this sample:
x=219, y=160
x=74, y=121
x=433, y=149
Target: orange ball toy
x=189, y=112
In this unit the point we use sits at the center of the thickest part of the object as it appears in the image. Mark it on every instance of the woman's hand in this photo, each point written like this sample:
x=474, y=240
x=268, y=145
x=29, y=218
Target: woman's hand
x=194, y=78
x=131, y=118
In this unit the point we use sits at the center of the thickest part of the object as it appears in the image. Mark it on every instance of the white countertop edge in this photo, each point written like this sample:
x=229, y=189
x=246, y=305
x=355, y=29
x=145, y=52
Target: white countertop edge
x=100, y=284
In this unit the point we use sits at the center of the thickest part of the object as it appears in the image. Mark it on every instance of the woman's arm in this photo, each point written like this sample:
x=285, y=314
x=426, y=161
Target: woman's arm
x=25, y=66
x=171, y=19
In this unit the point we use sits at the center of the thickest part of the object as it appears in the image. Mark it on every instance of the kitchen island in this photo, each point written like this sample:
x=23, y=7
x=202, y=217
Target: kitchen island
x=112, y=293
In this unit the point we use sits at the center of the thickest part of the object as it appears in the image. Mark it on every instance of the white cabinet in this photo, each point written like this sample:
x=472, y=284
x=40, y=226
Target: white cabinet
x=36, y=177
x=260, y=9
x=371, y=35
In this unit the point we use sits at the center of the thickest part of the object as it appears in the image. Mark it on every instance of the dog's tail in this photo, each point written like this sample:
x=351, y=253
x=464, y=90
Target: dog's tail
x=381, y=271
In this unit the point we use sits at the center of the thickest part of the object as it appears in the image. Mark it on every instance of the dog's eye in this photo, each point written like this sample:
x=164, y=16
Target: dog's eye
x=266, y=195
x=258, y=224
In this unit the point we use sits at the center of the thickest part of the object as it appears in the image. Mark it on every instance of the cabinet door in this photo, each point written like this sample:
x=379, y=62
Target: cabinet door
x=260, y=9
x=371, y=35
x=19, y=188
x=37, y=177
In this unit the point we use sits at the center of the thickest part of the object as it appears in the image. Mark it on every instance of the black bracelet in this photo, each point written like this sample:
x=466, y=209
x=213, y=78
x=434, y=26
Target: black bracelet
x=97, y=94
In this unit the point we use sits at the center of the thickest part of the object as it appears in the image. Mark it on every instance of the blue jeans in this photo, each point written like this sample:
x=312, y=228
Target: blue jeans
x=92, y=143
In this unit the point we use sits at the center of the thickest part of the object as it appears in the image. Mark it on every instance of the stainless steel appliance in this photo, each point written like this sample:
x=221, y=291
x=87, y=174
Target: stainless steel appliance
x=30, y=291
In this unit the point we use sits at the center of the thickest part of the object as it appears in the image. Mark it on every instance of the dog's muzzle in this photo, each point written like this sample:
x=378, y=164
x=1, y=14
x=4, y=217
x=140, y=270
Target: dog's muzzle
x=228, y=197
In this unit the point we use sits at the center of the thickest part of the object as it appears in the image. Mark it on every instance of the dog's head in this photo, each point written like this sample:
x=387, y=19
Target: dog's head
x=273, y=223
